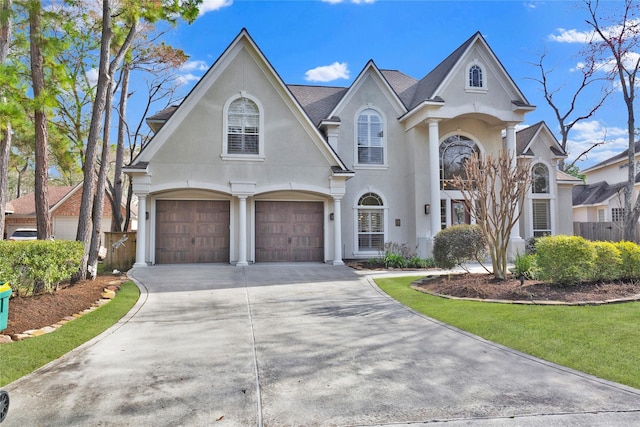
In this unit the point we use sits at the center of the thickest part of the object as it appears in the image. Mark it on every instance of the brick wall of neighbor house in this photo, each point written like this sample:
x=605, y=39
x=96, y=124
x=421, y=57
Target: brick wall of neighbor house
x=71, y=206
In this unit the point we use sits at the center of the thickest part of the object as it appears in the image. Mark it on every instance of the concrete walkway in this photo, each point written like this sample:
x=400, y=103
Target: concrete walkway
x=304, y=345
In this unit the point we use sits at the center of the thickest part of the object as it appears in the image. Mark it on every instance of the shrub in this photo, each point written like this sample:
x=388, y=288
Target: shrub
x=458, y=244
x=630, y=254
x=564, y=260
x=394, y=260
x=33, y=267
x=524, y=266
x=417, y=262
x=607, y=261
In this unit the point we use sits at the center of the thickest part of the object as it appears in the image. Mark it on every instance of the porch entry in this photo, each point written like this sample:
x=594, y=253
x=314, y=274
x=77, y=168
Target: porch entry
x=454, y=212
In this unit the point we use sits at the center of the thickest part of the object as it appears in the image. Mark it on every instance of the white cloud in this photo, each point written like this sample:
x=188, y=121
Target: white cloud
x=587, y=133
x=571, y=36
x=196, y=65
x=187, y=78
x=213, y=5
x=92, y=76
x=327, y=73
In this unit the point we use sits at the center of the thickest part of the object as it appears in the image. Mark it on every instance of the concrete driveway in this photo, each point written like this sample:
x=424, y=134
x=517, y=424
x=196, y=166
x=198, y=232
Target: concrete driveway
x=299, y=345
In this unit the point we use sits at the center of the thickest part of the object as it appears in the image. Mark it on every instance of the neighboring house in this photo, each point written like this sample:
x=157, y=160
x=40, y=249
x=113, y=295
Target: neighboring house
x=249, y=169
x=601, y=197
x=64, y=208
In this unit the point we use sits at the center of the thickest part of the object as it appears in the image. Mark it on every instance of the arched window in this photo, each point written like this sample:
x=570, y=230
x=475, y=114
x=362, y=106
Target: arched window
x=243, y=127
x=540, y=200
x=370, y=223
x=540, y=179
x=454, y=153
x=475, y=76
x=370, y=138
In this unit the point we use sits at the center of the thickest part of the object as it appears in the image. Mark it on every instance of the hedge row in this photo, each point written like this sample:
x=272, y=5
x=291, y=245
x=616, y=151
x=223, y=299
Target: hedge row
x=33, y=267
x=570, y=260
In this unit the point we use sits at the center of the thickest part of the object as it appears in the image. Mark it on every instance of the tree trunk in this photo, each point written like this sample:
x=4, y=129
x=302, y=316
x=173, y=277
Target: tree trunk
x=91, y=151
x=630, y=217
x=40, y=122
x=5, y=133
x=118, y=182
x=98, y=201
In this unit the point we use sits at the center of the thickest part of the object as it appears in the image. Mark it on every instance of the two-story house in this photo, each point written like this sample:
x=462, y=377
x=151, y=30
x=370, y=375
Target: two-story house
x=250, y=169
x=601, y=197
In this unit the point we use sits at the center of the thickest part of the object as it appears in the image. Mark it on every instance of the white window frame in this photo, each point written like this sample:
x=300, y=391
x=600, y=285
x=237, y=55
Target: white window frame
x=385, y=222
x=617, y=214
x=467, y=78
x=550, y=196
x=383, y=118
x=225, y=129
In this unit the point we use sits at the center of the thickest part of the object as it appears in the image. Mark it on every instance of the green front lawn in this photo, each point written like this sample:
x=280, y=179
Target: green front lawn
x=22, y=357
x=600, y=340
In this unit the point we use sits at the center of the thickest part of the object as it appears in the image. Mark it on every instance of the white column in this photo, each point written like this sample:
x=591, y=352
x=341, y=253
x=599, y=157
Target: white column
x=511, y=142
x=434, y=176
x=337, y=231
x=141, y=238
x=242, y=232
x=511, y=150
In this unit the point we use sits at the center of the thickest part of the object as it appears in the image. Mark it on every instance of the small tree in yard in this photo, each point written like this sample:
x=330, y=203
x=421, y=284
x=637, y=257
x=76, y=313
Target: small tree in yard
x=494, y=189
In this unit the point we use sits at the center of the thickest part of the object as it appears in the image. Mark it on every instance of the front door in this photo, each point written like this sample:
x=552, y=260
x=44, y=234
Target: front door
x=459, y=213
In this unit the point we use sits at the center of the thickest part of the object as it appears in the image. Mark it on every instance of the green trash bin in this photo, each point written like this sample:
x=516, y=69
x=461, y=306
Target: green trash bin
x=5, y=294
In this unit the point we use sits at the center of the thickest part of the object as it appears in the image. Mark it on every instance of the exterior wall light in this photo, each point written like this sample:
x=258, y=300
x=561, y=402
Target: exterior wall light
x=427, y=209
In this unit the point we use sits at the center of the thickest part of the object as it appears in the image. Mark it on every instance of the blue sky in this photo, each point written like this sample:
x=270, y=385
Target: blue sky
x=329, y=42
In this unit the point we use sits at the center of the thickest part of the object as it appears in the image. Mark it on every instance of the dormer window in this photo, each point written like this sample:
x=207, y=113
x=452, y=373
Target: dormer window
x=475, y=76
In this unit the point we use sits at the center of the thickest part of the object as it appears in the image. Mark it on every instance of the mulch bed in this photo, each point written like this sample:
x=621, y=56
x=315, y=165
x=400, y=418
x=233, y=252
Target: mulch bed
x=484, y=286
x=27, y=313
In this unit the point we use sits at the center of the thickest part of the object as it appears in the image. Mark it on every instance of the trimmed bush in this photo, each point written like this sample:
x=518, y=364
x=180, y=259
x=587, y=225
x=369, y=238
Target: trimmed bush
x=33, y=267
x=564, y=260
x=458, y=244
x=630, y=254
x=607, y=261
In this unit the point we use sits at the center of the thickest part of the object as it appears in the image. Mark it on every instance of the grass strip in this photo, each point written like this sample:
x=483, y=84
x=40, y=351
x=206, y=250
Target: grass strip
x=23, y=357
x=599, y=340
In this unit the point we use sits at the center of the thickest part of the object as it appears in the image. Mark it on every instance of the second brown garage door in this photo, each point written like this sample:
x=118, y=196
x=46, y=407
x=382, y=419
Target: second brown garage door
x=192, y=231
x=289, y=231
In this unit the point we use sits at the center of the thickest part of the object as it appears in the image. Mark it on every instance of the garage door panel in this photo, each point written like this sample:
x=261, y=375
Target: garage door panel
x=192, y=231
x=289, y=231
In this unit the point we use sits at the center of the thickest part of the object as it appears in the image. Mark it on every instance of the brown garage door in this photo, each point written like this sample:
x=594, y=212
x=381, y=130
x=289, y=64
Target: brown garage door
x=289, y=231
x=190, y=231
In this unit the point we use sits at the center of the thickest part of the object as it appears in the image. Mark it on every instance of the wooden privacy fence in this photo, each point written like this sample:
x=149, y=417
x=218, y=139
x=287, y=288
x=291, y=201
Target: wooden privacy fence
x=121, y=250
x=608, y=231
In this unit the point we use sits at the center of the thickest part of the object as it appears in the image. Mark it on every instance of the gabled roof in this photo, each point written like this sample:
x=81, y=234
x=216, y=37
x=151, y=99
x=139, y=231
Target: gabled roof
x=615, y=159
x=593, y=194
x=317, y=101
x=26, y=205
x=370, y=69
x=403, y=85
x=525, y=137
x=428, y=87
x=242, y=40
